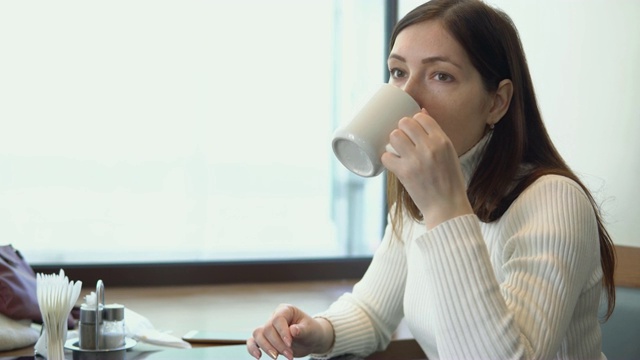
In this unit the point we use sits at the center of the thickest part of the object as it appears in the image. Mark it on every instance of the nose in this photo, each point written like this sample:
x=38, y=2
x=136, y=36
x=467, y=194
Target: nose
x=411, y=87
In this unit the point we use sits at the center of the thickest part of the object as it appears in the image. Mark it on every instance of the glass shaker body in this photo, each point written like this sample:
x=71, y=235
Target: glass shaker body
x=112, y=334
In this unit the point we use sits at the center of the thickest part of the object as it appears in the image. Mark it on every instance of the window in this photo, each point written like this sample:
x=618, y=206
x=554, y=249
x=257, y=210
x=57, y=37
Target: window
x=168, y=131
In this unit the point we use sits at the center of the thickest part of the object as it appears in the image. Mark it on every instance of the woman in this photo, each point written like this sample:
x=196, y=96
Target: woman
x=495, y=249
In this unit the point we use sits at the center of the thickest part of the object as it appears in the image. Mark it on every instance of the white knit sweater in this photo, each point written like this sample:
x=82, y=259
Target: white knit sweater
x=526, y=286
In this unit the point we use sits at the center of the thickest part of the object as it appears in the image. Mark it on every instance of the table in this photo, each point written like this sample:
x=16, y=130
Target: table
x=406, y=349
x=235, y=308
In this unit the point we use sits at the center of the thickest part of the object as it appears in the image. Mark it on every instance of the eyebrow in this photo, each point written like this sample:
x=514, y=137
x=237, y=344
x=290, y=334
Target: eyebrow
x=428, y=60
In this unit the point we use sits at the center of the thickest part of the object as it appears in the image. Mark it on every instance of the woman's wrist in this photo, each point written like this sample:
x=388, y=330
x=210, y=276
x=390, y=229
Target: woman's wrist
x=325, y=343
x=439, y=214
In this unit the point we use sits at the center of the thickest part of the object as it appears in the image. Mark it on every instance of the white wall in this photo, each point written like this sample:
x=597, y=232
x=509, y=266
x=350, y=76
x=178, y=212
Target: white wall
x=584, y=57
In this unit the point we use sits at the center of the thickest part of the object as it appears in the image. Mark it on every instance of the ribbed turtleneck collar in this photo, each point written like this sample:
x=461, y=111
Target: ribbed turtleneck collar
x=469, y=161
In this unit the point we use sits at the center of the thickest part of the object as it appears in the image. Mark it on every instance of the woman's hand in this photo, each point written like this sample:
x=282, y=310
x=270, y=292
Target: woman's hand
x=291, y=332
x=427, y=165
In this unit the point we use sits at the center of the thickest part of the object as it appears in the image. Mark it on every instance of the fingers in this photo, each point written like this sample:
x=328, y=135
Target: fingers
x=388, y=148
x=284, y=316
x=428, y=123
x=269, y=340
x=399, y=141
x=274, y=338
x=295, y=330
x=413, y=131
x=419, y=126
x=268, y=344
x=253, y=348
x=281, y=337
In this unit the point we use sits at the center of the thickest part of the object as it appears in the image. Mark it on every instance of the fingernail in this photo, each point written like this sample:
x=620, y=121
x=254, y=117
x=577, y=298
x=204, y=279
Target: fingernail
x=273, y=354
x=288, y=354
x=287, y=341
x=256, y=354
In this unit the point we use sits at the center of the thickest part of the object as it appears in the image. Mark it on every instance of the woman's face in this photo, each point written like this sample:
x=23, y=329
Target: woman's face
x=434, y=69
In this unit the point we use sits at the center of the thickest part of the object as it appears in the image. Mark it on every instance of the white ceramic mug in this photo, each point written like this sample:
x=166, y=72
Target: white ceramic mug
x=359, y=145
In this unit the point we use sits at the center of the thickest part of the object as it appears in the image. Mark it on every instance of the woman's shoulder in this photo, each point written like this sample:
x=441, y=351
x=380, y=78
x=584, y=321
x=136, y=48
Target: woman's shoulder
x=553, y=193
x=553, y=212
x=555, y=184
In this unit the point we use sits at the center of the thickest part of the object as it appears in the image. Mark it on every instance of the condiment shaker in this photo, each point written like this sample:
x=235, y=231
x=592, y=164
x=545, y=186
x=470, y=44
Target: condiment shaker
x=87, y=327
x=113, y=335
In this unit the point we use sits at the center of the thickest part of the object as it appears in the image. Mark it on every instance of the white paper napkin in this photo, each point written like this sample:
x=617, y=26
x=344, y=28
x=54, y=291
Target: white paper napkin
x=140, y=328
x=16, y=334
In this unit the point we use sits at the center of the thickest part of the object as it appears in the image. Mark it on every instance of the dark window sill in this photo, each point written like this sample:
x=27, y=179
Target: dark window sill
x=207, y=273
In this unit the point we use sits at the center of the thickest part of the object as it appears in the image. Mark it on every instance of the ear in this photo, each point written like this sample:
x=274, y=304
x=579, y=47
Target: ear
x=501, y=101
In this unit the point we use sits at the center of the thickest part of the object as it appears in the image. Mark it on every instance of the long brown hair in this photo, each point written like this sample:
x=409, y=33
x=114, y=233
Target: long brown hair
x=491, y=41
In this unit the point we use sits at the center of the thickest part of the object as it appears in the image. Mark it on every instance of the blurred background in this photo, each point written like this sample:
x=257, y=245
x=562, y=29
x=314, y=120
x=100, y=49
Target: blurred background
x=164, y=131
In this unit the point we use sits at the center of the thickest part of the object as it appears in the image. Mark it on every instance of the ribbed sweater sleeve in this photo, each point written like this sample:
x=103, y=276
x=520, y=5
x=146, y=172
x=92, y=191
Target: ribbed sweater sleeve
x=365, y=319
x=546, y=262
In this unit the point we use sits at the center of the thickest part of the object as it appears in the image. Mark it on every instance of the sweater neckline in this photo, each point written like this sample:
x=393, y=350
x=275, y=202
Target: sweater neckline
x=469, y=160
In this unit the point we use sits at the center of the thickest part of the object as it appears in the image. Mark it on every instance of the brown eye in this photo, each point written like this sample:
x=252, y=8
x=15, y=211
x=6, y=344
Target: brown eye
x=396, y=73
x=443, y=77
